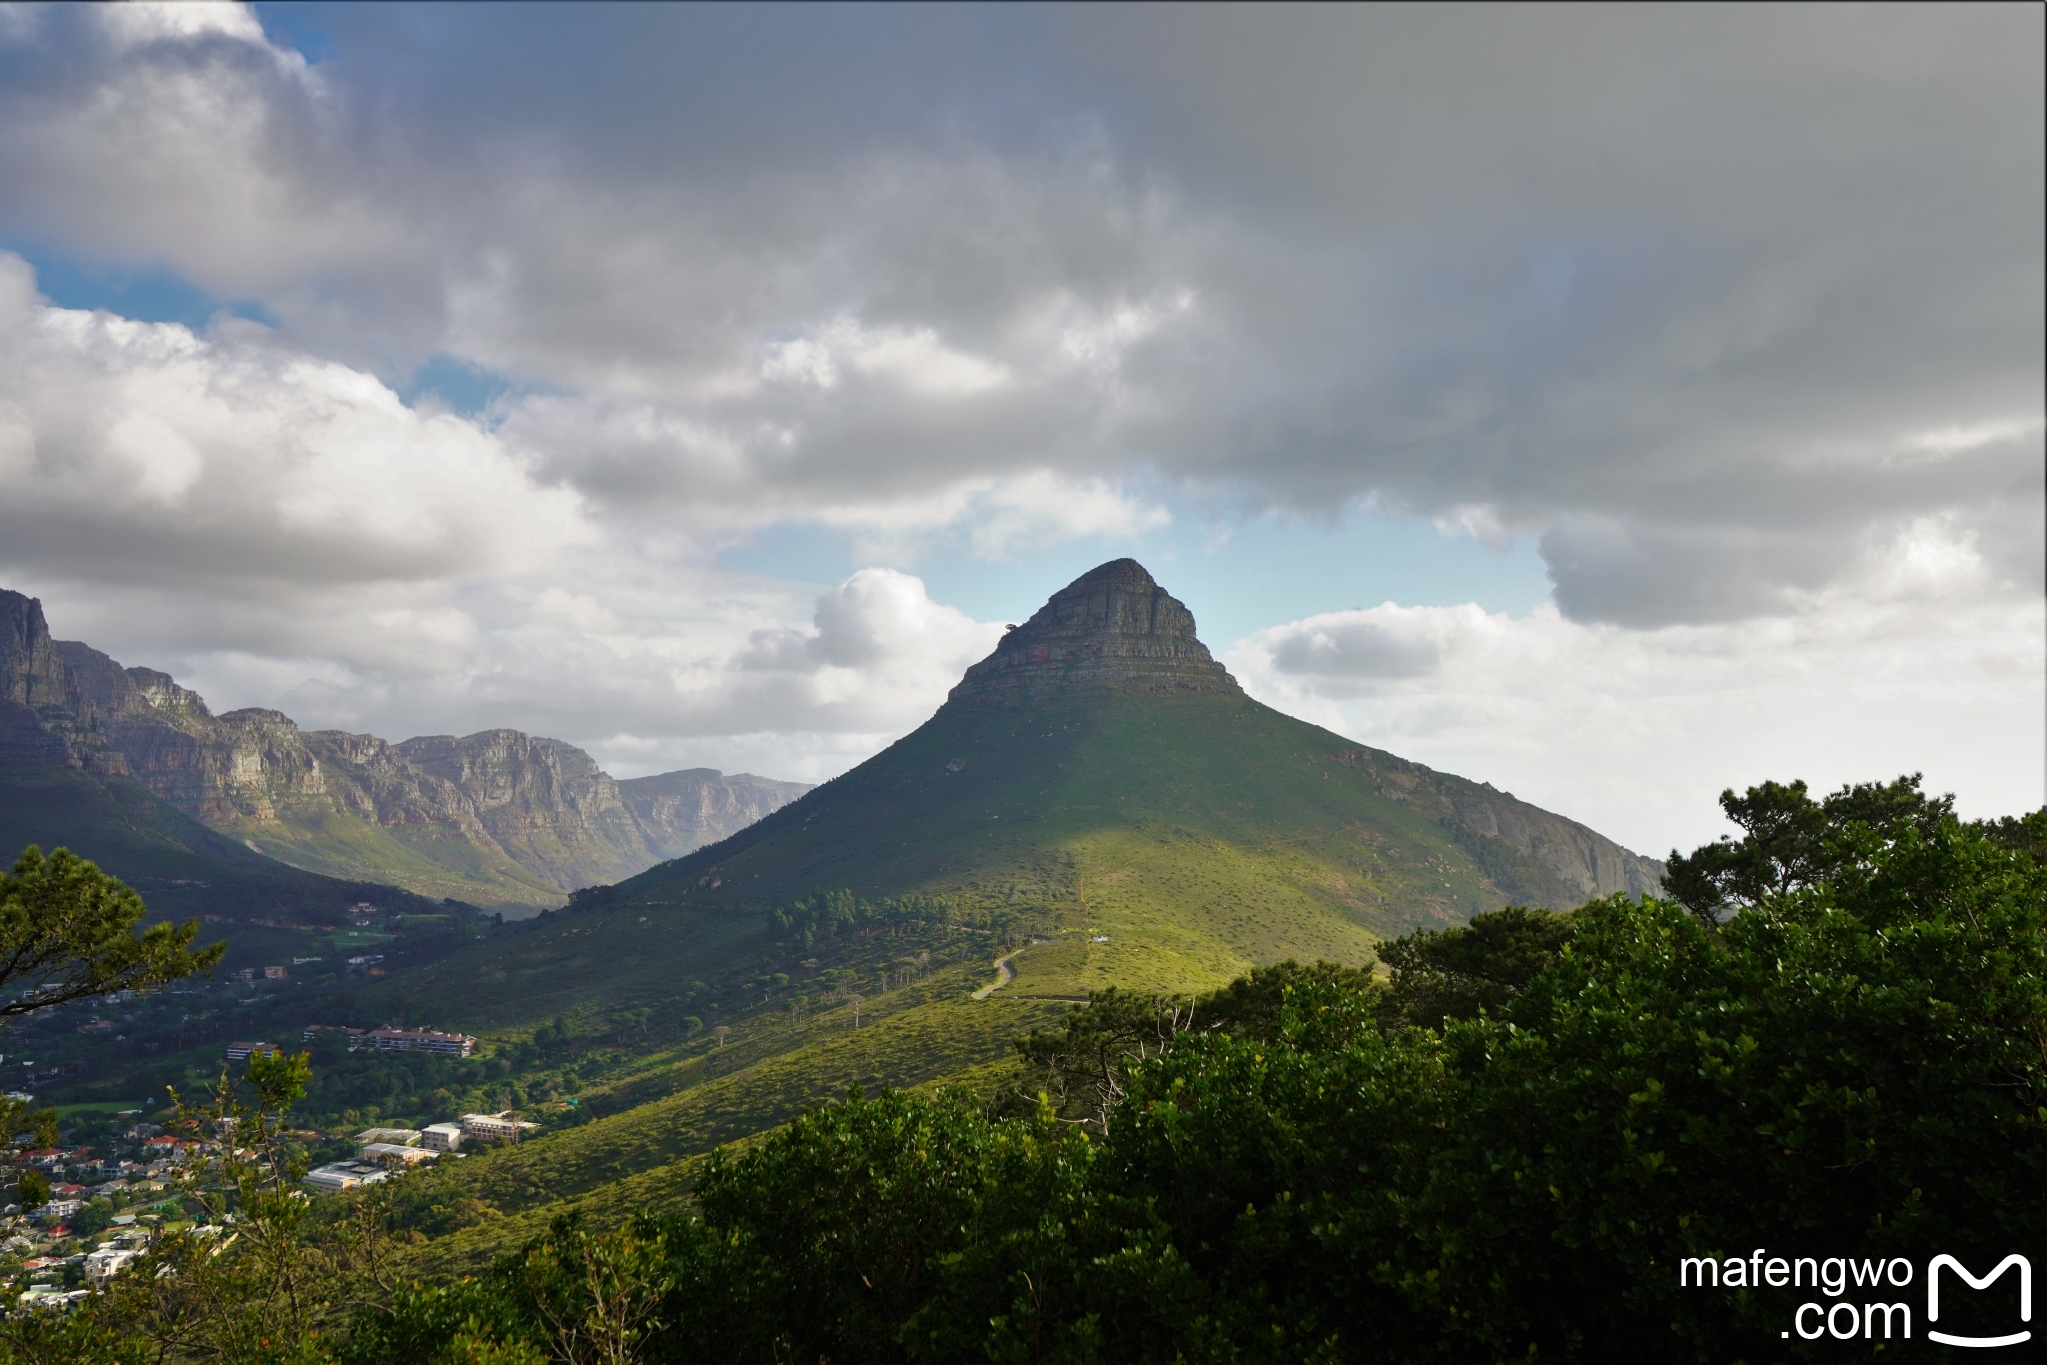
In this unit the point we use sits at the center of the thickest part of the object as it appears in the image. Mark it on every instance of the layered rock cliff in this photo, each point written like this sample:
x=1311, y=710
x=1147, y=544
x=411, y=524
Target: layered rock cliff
x=1111, y=627
x=497, y=817
x=545, y=803
x=1534, y=854
x=680, y=812
x=45, y=716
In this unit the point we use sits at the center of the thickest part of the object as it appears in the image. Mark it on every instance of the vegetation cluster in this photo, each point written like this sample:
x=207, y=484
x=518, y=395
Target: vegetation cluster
x=825, y=915
x=1830, y=1041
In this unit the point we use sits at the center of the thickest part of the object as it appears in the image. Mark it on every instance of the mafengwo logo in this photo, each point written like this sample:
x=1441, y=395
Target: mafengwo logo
x=2025, y=1269
x=1861, y=1317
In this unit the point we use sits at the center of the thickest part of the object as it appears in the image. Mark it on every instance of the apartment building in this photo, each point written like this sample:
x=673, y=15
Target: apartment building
x=421, y=1040
x=498, y=1127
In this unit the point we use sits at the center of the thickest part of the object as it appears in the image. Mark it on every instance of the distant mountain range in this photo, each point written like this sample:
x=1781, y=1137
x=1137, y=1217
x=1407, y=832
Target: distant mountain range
x=498, y=818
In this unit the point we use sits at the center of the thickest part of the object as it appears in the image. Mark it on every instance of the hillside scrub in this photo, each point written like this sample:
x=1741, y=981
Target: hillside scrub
x=1505, y=1151
x=825, y=915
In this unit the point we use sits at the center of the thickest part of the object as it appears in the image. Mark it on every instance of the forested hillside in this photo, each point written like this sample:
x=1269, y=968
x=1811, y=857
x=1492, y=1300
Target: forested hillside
x=1824, y=1046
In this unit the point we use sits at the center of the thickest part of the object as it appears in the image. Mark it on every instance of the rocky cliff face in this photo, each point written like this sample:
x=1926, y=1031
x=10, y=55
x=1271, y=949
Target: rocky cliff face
x=682, y=811
x=45, y=716
x=250, y=765
x=1111, y=627
x=1534, y=854
x=498, y=816
x=545, y=803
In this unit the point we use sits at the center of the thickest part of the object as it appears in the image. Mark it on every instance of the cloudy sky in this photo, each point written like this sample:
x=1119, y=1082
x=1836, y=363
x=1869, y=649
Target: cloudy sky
x=1613, y=404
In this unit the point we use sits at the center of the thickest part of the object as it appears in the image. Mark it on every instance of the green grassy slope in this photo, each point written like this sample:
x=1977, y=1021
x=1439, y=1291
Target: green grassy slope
x=644, y=1156
x=181, y=867
x=433, y=860
x=1197, y=835
x=1169, y=843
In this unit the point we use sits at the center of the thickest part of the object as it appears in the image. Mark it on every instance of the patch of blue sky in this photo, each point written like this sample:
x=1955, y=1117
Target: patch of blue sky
x=145, y=295
x=800, y=552
x=460, y=388
x=289, y=25
x=1237, y=576
x=156, y=295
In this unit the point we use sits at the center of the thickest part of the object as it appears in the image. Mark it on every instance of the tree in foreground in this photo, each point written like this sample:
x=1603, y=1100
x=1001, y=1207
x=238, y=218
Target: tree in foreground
x=68, y=929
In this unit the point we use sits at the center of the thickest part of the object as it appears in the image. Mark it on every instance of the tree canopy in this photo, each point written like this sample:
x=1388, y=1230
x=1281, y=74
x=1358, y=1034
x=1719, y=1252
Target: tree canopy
x=68, y=930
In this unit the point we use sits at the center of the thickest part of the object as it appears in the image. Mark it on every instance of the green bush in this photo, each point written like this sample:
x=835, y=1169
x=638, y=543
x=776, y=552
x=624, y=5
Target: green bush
x=95, y=1217
x=825, y=915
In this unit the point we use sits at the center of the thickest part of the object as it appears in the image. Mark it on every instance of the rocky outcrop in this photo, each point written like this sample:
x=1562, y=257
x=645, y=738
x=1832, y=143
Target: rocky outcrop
x=545, y=803
x=32, y=673
x=1112, y=627
x=249, y=765
x=372, y=778
x=117, y=693
x=46, y=718
x=1586, y=863
x=498, y=816
x=680, y=812
x=1534, y=855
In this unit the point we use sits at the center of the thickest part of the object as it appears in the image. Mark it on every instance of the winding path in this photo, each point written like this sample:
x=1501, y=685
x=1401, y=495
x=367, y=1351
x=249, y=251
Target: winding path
x=1008, y=975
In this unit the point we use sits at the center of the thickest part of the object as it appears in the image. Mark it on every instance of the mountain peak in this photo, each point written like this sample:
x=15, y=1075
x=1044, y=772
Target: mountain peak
x=1112, y=627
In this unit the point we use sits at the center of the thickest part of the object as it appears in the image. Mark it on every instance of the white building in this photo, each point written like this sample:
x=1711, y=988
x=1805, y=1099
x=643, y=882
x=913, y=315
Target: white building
x=108, y=1262
x=337, y=1176
x=394, y=1151
x=498, y=1127
x=421, y=1040
x=442, y=1137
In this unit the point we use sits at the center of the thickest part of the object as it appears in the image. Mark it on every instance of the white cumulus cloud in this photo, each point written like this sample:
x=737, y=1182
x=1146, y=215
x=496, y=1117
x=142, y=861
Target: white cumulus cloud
x=1912, y=669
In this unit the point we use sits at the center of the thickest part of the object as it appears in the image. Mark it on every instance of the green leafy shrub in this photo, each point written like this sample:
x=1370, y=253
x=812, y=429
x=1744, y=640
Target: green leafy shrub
x=825, y=915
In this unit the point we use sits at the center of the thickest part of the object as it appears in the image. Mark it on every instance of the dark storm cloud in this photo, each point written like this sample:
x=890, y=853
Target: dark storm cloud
x=1699, y=295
